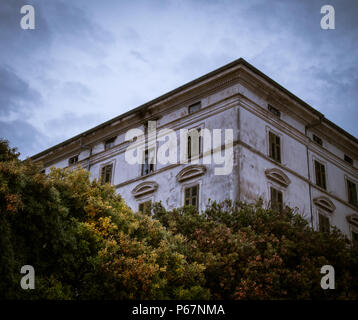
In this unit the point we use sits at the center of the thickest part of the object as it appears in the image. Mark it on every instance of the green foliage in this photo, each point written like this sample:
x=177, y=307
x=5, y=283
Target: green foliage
x=85, y=243
x=250, y=252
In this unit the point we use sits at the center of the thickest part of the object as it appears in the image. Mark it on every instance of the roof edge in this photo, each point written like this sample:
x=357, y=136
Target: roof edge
x=191, y=83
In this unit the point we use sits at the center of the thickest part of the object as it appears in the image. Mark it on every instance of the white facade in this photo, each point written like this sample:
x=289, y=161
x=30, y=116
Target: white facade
x=237, y=97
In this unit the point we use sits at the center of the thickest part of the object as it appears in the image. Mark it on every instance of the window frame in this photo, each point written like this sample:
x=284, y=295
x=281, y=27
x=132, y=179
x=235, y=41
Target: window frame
x=348, y=181
x=193, y=158
x=144, y=202
x=316, y=139
x=321, y=213
x=348, y=160
x=191, y=195
x=193, y=105
x=145, y=152
x=110, y=163
x=279, y=191
x=191, y=183
x=273, y=110
x=354, y=232
x=110, y=142
x=73, y=157
x=270, y=133
x=324, y=165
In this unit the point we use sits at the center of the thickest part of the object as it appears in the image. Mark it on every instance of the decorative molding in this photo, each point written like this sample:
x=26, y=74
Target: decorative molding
x=191, y=171
x=353, y=219
x=144, y=188
x=278, y=176
x=325, y=203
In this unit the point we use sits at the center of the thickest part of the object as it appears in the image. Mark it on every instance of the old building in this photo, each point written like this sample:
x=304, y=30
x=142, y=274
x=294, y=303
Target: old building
x=283, y=150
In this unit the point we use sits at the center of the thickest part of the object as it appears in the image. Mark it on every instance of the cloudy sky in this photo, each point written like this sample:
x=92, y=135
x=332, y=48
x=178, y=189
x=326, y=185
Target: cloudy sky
x=88, y=61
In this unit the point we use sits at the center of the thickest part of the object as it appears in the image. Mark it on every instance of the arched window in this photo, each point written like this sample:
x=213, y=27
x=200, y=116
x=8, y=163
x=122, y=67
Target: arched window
x=278, y=176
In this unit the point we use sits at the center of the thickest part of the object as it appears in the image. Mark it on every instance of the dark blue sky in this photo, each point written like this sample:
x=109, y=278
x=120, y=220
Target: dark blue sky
x=89, y=61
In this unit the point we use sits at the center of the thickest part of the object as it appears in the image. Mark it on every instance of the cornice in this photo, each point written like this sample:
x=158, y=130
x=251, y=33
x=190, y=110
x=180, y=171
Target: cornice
x=242, y=69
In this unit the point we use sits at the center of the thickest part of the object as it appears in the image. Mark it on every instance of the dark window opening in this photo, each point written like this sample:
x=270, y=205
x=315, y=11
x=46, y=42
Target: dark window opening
x=317, y=140
x=148, y=165
x=348, y=159
x=352, y=193
x=320, y=171
x=323, y=223
x=106, y=174
x=73, y=160
x=275, y=147
x=355, y=238
x=108, y=144
x=191, y=196
x=274, y=111
x=276, y=199
x=194, y=107
x=193, y=149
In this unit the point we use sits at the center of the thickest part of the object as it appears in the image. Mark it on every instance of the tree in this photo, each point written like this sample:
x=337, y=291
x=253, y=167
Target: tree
x=251, y=252
x=83, y=240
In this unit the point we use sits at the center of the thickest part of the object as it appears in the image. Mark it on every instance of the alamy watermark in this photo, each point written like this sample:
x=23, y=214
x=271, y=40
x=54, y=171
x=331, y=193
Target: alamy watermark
x=28, y=20
x=181, y=147
x=328, y=20
x=28, y=280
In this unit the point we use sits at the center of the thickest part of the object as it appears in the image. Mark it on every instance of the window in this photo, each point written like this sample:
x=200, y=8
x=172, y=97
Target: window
x=352, y=193
x=274, y=111
x=194, y=107
x=348, y=159
x=276, y=199
x=106, y=174
x=323, y=223
x=320, y=174
x=355, y=238
x=191, y=196
x=317, y=140
x=73, y=160
x=145, y=207
x=148, y=163
x=193, y=149
x=275, y=146
x=108, y=144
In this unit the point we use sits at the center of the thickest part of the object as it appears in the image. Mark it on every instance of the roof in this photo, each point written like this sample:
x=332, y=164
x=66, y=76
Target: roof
x=191, y=83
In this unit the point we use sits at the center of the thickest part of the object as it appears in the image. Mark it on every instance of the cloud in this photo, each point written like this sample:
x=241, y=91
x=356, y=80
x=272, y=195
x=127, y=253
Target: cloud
x=88, y=61
x=23, y=136
x=70, y=124
x=16, y=96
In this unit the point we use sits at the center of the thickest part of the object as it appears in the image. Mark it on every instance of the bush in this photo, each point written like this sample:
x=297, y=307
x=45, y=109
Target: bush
x=250, y=252
x=83, y=241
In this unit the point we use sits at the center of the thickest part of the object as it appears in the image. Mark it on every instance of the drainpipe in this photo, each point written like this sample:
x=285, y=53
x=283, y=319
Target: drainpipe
x=308, y=164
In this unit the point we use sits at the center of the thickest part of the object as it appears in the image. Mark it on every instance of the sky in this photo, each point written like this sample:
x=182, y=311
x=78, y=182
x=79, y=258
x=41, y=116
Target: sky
x=88, y=61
